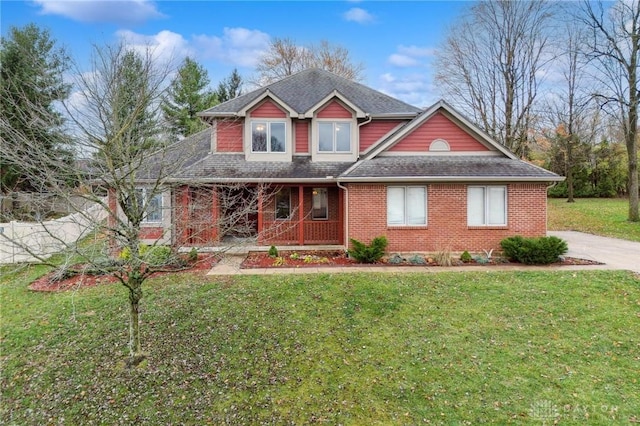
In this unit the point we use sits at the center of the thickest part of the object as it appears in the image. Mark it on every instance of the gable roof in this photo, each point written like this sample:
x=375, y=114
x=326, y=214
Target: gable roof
x=459, y=119
x=303, y=92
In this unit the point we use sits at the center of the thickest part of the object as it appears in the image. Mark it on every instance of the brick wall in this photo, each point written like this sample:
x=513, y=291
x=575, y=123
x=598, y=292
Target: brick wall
x=446, y=218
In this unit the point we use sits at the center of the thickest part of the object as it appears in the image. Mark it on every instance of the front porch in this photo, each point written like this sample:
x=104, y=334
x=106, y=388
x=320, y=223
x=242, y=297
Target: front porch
x=260, y=216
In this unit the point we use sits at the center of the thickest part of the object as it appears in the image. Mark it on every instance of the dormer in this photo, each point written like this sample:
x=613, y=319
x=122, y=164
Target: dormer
x=334, y=129
x=268, y=134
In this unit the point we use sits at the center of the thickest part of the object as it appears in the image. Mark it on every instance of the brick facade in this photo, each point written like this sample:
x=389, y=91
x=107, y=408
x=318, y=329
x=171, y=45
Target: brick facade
x=446, y=218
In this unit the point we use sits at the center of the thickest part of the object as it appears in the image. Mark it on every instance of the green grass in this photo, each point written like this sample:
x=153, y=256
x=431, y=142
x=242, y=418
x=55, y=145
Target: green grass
x=353, y=349
x=599, y=216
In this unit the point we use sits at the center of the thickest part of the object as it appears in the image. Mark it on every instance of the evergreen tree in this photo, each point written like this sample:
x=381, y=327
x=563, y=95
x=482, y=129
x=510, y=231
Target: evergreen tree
x=230, y=87
x=31, y=82
x=188, y=95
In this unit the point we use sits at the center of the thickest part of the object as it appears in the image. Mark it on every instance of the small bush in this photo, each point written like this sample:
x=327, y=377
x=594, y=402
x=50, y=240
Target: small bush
x=151, y=255
x=368, y=253
x=416, y=259
x=279, y=261
x=465, y=257
x=395, y=259
x=273, y=251
x=443, y=257
x=534, y=251
x=193, y=255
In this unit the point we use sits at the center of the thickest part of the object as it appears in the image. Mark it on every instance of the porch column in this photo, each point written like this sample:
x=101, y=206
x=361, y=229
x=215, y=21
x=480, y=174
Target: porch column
x=215, y=215
x=340, y=216
x=183, y=208
x=260, y=215
x=300, y=215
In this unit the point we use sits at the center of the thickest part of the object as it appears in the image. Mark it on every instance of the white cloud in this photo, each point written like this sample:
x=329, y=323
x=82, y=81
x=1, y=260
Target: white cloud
x=402, y=60
x=410, y=56
x=118, y=11
x=237, y=46
x=413, y=88
x=166, y=45
x=358, y=15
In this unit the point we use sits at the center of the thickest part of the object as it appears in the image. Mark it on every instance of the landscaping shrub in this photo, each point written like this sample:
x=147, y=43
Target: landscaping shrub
x=273, y=251
x=193, y=255
x=534, y=251
x=151, y=255
x=368, y=253
x=465, y=257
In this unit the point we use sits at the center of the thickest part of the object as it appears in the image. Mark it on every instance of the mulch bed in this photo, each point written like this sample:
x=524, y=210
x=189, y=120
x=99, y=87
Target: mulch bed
x=301, y=259
x=49, y=282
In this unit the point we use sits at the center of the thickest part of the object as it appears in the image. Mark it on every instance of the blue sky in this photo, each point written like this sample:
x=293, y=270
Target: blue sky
x=395, y=41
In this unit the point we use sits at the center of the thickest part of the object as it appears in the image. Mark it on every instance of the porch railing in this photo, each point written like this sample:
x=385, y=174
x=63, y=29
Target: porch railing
x=314, y=232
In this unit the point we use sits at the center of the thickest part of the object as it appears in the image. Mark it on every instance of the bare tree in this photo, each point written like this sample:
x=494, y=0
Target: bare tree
x=130, y=182
x=490, y=65
x=614, y=45
x=571, y=116
x=285, y=58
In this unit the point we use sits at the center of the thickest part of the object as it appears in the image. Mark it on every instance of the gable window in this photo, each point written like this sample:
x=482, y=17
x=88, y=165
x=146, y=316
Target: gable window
x=487, y=205
x=268, y=136
x=150, y=204
x=283, y=204
x=406, y=205
x=320, y=204
x=334, y=136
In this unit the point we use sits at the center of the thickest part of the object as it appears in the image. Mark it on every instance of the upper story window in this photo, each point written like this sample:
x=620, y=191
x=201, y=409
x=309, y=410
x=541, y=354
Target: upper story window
x=268, y=136
x=334, y=136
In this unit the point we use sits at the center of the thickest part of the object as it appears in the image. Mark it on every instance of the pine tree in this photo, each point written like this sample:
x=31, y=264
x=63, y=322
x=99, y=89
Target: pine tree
x=188, y=95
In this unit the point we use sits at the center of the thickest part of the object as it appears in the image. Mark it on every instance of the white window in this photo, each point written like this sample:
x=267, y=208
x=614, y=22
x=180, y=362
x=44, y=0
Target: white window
x=486, y=205
x=334, y=136
x=320, y=201
x=150, y=204
x=406, y=205
x=268, y=136
x=283, y=204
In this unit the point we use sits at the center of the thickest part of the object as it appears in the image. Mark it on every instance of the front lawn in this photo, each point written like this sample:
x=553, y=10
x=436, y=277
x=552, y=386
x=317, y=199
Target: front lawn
x=354, y=349
x=599, y=216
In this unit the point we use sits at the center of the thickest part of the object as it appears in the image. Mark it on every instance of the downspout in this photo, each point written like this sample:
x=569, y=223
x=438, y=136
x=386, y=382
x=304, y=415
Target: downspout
x=346, y=213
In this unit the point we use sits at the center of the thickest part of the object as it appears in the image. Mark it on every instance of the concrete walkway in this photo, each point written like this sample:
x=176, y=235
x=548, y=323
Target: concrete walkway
x=615, y=253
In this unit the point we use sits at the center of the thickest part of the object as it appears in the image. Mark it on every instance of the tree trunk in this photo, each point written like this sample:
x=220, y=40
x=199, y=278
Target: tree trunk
x=632, y=149
x=135, y=295
x=570, y=172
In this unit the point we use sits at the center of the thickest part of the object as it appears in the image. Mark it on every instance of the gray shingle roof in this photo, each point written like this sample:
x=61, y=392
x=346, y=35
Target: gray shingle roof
x=219, y=167
x=305, y=89
x=436, y=167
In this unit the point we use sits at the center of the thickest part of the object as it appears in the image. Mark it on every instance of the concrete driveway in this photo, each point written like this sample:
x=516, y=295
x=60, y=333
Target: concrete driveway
x=615, y=253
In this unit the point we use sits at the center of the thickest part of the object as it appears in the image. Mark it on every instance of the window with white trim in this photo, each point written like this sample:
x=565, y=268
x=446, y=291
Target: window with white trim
x=320, y=204
x=150, y=204
x=406, y=205
x=283, y=204
x=487, y=205
x=268, y=136
x=334, y=136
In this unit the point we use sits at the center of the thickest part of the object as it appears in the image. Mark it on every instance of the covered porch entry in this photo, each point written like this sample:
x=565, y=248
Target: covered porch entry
x=301, y=215
x=290, y=215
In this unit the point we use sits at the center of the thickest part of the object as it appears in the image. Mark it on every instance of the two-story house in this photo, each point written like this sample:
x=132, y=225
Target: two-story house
x=326, y=159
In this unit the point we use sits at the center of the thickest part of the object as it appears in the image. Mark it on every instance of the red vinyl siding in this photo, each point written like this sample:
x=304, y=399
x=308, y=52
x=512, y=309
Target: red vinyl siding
x=334, y=110
x=372, y=132
x=268, y=109
x=302, y=137
x=438, y=127
x=229, y=135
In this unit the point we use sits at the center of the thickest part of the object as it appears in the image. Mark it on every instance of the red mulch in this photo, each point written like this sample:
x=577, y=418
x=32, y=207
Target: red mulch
x=300, y=259
x=49, y=283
